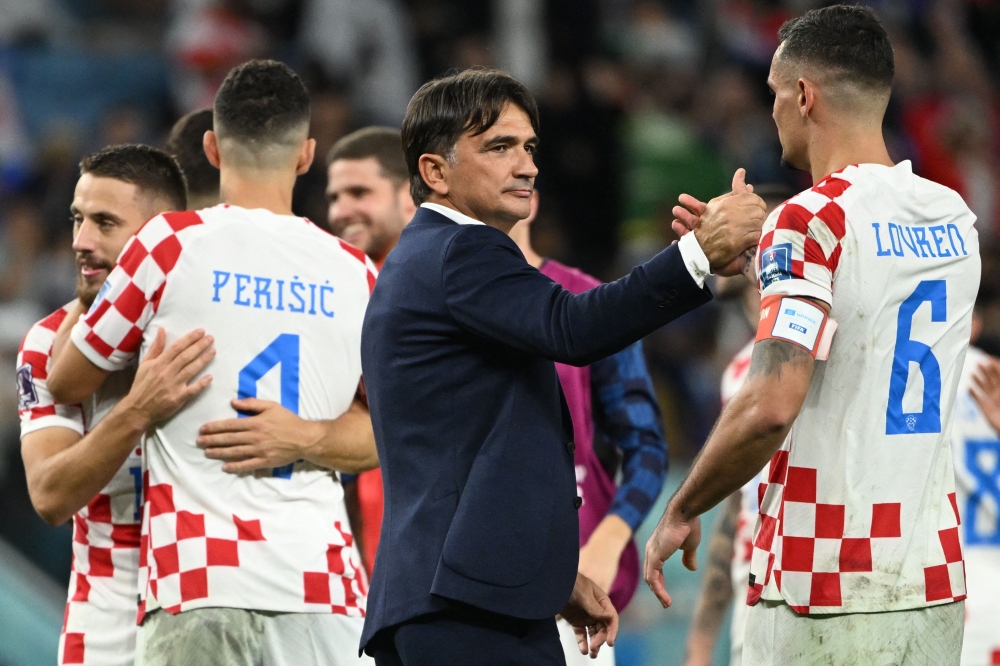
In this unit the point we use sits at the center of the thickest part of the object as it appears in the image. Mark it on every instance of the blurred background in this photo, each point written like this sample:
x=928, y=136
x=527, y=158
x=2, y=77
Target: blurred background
x=640, y=100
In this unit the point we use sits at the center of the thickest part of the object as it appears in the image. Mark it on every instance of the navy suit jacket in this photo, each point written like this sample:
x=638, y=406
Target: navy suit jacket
x=473, y=436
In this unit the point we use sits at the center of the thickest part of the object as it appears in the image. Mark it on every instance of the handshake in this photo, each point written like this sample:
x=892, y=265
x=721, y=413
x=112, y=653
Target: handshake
x=727, y=227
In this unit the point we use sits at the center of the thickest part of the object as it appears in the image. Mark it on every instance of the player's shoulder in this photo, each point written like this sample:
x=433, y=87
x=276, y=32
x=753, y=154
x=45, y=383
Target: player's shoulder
x=42, y=334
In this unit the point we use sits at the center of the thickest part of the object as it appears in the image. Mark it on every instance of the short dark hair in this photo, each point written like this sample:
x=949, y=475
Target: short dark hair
x=382, y=143
x=261, y=101
x=185, y=144
x=847, y=39
x=446, y=108
x=152, y=171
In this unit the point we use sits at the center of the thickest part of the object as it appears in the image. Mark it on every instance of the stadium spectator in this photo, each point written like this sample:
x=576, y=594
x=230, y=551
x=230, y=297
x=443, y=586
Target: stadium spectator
x=185, y=143
x=85, y=461
x=611, y=399
x=249, y=566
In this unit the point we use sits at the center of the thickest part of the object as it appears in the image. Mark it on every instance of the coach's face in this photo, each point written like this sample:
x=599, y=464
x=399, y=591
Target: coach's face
x=106, y=212
x=787, y=111
x=493, y=173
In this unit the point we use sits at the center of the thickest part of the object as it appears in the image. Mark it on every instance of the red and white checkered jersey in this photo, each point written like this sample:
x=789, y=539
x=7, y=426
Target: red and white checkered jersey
x=857, y=508
x=284, y=301
x=99, y=622
x=976, y=448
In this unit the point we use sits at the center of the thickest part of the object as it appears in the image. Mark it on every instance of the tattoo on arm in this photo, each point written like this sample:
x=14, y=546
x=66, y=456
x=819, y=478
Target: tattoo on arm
x=717, y=588
x=770, y=356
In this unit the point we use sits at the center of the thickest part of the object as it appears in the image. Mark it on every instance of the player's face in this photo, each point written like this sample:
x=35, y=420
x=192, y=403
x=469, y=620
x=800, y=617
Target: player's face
x=106, y=212
x=495, y=173
x=784, y=86
x=366, y=209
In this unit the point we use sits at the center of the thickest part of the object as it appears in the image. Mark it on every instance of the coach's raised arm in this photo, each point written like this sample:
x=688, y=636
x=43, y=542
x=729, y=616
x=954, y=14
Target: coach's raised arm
x=479, y=542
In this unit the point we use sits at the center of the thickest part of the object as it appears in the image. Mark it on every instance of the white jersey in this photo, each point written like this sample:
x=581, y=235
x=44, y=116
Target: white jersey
x=976, y=448
x=99, y=622
x=858, y=510
x=284, y=301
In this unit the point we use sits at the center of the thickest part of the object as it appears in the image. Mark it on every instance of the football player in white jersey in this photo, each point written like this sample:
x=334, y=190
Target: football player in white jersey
x=857, y=557
x=84, y=460
x=239, y=568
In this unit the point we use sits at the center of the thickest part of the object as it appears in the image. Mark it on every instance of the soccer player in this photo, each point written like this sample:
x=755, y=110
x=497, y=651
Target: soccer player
x=84, y=460
x=185, y=143
x=255, y=565
x=614, y=395
x=858, y=512
x=976, y=446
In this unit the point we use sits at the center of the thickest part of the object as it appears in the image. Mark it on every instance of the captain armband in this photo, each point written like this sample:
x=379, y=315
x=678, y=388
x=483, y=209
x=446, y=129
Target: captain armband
x=798, y=321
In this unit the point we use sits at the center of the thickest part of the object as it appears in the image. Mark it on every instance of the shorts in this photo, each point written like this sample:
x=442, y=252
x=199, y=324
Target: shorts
x=237, y=637
x=930, y=636
x=605, y=657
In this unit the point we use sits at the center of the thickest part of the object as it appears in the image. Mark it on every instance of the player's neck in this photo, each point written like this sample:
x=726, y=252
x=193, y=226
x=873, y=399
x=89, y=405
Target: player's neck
x=271, y=191
x=834, y=151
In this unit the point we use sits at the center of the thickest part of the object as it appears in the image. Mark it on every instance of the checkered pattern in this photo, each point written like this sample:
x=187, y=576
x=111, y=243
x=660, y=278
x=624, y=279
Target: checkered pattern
x=854, y=517
x=341, y=585
x=363, y=258
x=132, y=292
x=98, y=623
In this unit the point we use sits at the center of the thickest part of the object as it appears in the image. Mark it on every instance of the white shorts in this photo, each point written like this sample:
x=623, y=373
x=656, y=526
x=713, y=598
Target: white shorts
x=605, y=657
x=237, y=637
x=931, y=636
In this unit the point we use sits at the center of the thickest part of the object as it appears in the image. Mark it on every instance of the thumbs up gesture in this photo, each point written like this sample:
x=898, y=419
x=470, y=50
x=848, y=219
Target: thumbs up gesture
x=726, y=227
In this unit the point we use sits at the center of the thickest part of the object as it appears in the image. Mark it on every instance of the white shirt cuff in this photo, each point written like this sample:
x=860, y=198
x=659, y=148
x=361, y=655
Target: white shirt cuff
x=694, y=258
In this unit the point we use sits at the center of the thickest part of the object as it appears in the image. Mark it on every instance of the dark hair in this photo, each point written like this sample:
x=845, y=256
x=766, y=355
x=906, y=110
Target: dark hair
x=382, y=143
x=185, y=144
x=260, y=101
x=846, y=38
x=152, y=171
x=448, y=107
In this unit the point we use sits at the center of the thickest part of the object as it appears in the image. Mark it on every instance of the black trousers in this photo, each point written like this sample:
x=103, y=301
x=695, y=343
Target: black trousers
x=469, y=636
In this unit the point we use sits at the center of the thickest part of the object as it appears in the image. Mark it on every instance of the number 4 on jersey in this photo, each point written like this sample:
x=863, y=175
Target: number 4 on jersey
x=284, y=350
x=909, y=351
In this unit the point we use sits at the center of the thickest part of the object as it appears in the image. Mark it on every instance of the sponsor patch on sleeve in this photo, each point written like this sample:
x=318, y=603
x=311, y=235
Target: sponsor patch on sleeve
x=798, y=321
x=26, y=394
x=775, y=264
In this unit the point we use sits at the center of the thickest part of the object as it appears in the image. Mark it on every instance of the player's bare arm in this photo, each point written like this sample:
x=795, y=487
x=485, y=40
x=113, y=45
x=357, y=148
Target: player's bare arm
x=274, y=437
x=77, y=310
x=74, y=377
x=716, y=587
x=592, y=616
x=751, y=428
x=600, y=556
x=986, y=391
x=65, y=471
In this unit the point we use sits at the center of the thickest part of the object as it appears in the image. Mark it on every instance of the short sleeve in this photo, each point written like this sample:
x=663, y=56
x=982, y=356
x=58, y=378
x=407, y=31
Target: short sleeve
x=110, y=334
x=35, y=406
x=799, y=250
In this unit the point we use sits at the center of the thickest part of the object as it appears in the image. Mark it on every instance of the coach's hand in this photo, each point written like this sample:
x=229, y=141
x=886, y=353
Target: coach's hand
x=671, y=534
x=726, y=227
x=272, y=437
x=161, y=387
x=590, y=611
x=986, y=390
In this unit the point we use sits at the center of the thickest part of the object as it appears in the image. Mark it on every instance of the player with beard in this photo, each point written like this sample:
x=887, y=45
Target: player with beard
x=83, y=461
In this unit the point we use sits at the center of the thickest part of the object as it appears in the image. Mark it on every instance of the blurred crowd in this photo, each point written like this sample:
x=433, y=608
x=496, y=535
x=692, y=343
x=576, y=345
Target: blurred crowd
x=640, y=100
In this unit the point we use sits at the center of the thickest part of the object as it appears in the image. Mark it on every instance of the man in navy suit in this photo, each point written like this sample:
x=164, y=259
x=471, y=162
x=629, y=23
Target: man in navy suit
x=479, y=543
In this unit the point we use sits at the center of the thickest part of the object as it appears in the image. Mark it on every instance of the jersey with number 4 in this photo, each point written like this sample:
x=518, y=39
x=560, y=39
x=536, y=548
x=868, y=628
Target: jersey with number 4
x=99, y=622
x=857, y=509
x=284, y=301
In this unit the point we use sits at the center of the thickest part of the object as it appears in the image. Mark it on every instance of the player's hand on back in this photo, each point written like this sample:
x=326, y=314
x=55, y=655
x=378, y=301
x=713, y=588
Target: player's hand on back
x=671, y=534
x=727, y=227
x=271, y=436
x=162, y=382
x=590, y=611
x=986, y=390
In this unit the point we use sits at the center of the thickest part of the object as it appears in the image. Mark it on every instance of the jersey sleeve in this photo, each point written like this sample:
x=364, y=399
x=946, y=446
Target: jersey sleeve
x=800, y=248
x=35, y=406
x=110, y=334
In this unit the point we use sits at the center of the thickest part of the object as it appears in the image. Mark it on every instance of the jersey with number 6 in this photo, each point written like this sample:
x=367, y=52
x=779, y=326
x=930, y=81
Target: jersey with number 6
x=284, y=301
x=857, y=509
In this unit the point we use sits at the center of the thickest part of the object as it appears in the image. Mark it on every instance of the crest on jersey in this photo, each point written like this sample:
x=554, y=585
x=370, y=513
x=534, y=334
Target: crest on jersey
x=102, y=292
x=775, y=264
x=26, y=393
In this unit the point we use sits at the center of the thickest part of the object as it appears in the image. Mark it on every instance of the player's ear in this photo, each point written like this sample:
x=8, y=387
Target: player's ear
x=806, y=97
x=210, y=144
x=306, y=154
x=434, y=170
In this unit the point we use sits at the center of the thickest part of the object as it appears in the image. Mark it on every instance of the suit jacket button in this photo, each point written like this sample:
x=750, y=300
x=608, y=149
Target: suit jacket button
x=578, y=502
x=661, y=304
x=571, y=447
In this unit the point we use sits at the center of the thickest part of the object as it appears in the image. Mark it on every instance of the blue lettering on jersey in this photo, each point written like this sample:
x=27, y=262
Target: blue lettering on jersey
x=982, y=459
x=775, y=264
x=270, y=293
x=917, y=241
